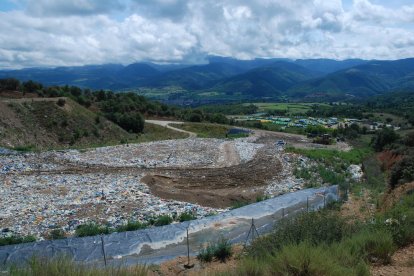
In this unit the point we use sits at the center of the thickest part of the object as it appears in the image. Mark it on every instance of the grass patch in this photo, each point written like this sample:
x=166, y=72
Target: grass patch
x=221, y=250
x=239, y=204
x=65, y=267
x=354, y=156
x=204, y=130
x=27, y=148
x=91, y=229
x=131, y=226
x=315, y=227
x=16, y=240
x=161, y=220
x=186, y=216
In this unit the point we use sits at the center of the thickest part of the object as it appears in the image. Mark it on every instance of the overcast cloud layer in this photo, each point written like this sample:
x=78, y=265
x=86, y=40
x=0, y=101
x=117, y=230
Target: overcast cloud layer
x=78, y=32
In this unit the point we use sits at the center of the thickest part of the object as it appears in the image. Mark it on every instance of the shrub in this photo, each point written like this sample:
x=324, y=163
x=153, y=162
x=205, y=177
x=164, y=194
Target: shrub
x=223, y=250
x=402, y=172
x=61, y=102
x=91, y=229
x=262, y=197
x=306, y=259
x=206, y=254
x=374, y=246
x=57, y=234
x=65, y=266
x=131, y=226
x=16, y=240
x=315, y=227
x=383, y=138
x=163, y=220
x=400, y=221
x=186, y=216
x=238, y=204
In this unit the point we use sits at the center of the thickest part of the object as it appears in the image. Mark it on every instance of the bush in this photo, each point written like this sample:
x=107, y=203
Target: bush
x=306, y=259
x=91, y=229
x=61, y=102
x=315, y=227
x=132, y=122
x=65, y=266
x=402, y=172
x=56, y=234
x=374, y=246
x=239, y=204
x=221, y=251
x=206, y=254
x=131, y=226
x=186, y=216
x=16, y=240
x=400, y=221
x=383, y=138
x=162, y=220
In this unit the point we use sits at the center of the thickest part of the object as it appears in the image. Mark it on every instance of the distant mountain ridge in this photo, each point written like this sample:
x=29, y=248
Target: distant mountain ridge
x=230, y=78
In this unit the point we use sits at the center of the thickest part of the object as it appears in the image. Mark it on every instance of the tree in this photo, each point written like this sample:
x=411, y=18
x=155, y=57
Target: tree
x=384, y=137
x=31, y=86
x=402, y=172
x=9, y=84
x=133, y=122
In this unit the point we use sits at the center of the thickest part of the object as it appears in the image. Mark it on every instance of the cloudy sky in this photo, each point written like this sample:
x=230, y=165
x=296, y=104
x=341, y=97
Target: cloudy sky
x=78, y=32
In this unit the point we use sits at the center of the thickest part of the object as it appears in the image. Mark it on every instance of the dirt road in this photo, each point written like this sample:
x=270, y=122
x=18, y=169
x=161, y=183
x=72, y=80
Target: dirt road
x=167, y=125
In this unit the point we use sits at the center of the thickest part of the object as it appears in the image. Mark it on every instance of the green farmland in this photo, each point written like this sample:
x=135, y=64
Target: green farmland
x=291, y=108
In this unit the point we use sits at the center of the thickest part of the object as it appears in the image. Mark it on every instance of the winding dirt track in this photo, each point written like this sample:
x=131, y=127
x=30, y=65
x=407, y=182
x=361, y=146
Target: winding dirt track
x=167, y=125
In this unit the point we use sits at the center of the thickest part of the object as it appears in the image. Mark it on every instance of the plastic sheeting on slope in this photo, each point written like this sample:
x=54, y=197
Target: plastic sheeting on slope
x=155, y=245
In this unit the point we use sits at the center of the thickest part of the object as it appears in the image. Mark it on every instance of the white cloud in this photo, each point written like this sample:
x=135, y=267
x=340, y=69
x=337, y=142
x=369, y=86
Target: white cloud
x=71, y=7
x=53, y=33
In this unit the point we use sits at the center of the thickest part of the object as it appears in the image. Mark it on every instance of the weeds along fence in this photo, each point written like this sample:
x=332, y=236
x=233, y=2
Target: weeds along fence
x=158, y=244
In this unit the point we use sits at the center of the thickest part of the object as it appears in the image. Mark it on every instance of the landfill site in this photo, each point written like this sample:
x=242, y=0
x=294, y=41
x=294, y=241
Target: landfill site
x=41, y=191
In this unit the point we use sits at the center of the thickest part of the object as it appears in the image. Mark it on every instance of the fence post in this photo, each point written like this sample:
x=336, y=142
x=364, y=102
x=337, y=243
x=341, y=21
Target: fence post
x=283, y=212
x=307, y=204
x=324, y=201
x=103, y=249
x=188, y=265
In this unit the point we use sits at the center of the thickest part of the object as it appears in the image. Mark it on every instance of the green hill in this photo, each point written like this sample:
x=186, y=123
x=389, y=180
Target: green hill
x=44, y=123
x=268, y=81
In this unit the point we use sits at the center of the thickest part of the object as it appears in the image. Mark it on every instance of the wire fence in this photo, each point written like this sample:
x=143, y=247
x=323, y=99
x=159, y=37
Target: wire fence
x=158, y=244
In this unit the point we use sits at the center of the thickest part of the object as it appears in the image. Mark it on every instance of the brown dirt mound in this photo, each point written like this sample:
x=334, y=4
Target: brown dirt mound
x=394, y=196
x=217, y=187
x=388, y=159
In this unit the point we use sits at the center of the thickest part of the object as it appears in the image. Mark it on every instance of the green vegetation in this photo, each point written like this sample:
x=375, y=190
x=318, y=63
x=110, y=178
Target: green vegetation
x=91, y=229
x=25, y=148
x=162, y=220
x=221, y=250
x=65, y=267
x=354, y=156
x=239, y=204
x=286, y=108
x=16, y=240
x=204, y=130
x=56, y=234
x=328, y=166
x=186, y=216
x=383, y=138
x=131, y=226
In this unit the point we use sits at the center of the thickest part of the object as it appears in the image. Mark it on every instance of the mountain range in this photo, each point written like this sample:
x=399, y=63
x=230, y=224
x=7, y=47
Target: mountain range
x=227, y=78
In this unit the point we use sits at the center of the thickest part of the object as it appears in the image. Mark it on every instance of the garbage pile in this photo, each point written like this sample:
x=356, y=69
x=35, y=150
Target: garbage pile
x=286, y=182
x=161, y=154
x=35, y=204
